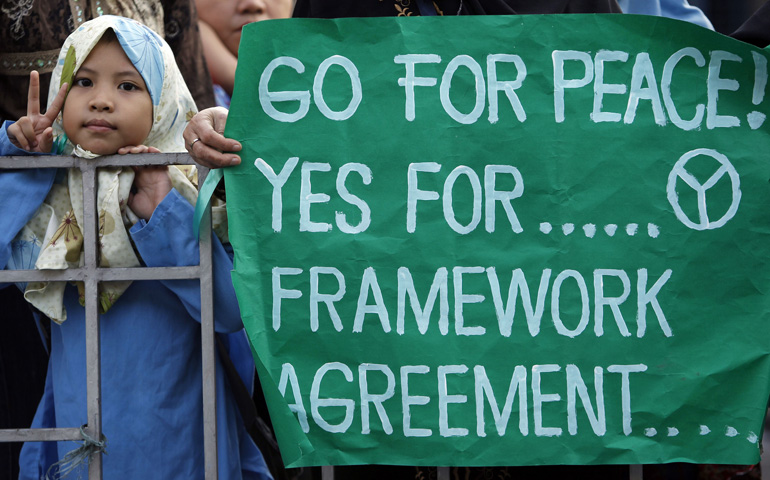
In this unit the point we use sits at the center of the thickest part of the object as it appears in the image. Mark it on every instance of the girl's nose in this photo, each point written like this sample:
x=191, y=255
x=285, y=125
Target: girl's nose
x=251, y=6
x=101, y=102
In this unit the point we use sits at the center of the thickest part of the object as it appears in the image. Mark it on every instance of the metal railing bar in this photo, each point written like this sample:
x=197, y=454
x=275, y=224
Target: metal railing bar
x=442, y=473
x=327, y=472
x=102, y=274
x=93, y=343
x=147, y=273
x=635, y=472
x=69, y=275
x=40, y=435
x=48, y=161
x=208, y=356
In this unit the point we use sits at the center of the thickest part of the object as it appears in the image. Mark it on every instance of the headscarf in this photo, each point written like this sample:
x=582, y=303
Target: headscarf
x=52, y=239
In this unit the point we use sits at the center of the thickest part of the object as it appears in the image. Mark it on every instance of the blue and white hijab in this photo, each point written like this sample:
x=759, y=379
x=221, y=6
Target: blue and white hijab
x=173, y=105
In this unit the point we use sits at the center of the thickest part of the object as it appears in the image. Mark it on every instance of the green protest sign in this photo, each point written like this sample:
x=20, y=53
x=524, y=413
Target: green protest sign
x=504, y=240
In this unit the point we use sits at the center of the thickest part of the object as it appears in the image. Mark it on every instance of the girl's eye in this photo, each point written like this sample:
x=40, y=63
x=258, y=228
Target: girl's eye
x=82, y=82
x=128, y=86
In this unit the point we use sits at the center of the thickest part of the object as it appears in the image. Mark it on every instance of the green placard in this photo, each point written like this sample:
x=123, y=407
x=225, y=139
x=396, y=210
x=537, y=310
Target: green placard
x=511, y=240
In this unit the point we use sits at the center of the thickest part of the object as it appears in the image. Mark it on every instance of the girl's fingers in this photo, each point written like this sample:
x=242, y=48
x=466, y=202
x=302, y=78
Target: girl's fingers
x=46, y=140
x=57, y=104
x=17, y=137
x=33, y=96
x=27, y=133
x=137, y=149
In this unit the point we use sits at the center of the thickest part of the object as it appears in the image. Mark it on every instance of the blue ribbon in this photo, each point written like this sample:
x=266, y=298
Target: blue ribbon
x=204, y=197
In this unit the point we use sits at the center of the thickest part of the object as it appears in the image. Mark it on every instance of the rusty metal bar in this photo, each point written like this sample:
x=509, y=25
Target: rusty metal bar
x=327, y=472
x=90, y=231
x=208, y=351
x=40, y=435
x=48, y=161
x=102, y=274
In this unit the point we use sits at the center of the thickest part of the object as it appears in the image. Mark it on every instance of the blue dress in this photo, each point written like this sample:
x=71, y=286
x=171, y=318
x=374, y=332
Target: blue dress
x=151, y=353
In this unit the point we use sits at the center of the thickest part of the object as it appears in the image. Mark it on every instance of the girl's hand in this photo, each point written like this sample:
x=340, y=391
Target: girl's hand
x=33, y=132
x=137, y=149
x=151, y=185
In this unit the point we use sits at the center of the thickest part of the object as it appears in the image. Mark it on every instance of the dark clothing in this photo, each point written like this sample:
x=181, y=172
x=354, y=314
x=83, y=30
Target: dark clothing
x=398, y=8
x=23, y=365
x=34, y=31
x=756, y=30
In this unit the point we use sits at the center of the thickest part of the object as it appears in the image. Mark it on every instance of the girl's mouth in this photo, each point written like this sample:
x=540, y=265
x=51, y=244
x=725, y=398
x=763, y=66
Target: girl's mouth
x=99, y=125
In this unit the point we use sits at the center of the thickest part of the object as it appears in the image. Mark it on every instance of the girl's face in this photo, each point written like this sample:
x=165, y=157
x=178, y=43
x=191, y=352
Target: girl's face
x=108, y=105
x=227, y=17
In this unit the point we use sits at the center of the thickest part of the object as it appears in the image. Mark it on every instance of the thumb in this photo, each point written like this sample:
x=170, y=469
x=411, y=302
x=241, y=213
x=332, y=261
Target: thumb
x=46, y=140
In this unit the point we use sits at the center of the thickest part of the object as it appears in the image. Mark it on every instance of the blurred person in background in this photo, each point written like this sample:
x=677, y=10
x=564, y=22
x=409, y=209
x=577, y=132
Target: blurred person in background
x=756, y=29
x=33, y=31
x=220, y=23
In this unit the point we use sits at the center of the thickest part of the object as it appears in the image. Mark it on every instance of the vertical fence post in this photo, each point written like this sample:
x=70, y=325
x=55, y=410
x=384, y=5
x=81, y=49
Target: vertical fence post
x=208, y=346
x=90, y=232
x=327, y=472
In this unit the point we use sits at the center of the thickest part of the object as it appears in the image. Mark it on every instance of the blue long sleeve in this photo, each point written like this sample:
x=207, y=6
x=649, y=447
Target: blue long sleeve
x=22, y=193
x=167, y=241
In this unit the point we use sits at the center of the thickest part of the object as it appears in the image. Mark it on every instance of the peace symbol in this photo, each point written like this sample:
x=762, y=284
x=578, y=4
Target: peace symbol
x=679, y=171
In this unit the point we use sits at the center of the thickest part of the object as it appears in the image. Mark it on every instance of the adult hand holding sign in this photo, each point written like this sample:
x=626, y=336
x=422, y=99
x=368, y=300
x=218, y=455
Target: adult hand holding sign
x=206, y=129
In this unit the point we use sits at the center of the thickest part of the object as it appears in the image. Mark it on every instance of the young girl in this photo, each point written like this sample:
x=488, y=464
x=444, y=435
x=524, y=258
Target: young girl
x=121, y=92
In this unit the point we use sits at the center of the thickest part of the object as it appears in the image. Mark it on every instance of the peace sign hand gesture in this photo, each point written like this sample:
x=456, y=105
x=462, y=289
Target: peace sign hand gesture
x=33, y=132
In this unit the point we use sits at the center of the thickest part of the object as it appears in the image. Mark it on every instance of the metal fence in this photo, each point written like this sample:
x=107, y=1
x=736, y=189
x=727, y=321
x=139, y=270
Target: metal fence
x=91, y=274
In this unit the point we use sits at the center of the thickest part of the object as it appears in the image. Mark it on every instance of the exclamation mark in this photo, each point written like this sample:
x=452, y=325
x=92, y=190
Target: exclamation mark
x=756, y=119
